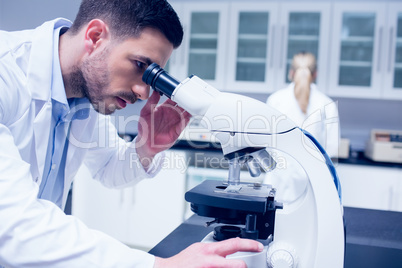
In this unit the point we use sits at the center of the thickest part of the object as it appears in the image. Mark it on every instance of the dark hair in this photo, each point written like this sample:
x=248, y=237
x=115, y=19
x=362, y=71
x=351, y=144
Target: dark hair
x=127, y=18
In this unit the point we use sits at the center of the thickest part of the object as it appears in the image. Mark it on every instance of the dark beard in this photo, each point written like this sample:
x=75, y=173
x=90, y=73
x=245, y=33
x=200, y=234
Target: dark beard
x=77, y=83
x=79, y=87
x=90, y=81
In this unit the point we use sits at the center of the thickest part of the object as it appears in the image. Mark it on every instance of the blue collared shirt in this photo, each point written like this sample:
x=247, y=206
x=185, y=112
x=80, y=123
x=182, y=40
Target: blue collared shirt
x=63, y=114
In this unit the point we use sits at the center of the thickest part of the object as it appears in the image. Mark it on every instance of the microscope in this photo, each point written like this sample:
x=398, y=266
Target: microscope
x=304, y=229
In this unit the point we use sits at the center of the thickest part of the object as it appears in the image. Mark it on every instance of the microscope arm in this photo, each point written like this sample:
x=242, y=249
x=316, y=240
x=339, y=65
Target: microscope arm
x=242, y=114
x=229, y=114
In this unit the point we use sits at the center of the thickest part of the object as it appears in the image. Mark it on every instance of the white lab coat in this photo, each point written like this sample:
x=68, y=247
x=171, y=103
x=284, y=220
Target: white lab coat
x=35, y=232
x=321, y=119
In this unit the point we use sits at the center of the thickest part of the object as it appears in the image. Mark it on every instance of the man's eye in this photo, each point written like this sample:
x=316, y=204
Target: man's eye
x=140, y=64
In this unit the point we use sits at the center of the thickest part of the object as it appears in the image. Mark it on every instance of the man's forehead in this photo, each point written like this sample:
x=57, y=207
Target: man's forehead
x=148, y=49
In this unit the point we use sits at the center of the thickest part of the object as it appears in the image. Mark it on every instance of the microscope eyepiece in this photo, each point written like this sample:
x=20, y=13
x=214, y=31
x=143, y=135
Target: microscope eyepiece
x=160, y=80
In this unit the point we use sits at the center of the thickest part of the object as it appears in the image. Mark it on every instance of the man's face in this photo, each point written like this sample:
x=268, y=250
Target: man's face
x=113, y=73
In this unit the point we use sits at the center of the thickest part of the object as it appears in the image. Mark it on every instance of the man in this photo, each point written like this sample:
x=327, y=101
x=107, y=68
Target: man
x=57, y=83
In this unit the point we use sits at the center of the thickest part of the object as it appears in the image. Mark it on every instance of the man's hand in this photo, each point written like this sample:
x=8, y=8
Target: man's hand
x=210, y=255
x=159, y=127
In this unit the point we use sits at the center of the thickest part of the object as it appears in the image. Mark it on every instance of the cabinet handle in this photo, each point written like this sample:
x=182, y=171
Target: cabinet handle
x=379, y=50
x=282, y=44
x=272, y=45
x=391, y=40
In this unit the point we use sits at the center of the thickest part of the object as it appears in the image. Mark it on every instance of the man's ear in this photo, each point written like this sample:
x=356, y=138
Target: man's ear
x=96, y=33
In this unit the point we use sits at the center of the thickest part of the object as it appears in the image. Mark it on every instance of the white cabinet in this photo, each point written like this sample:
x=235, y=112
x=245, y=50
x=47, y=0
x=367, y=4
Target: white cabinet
x=366, y=55
x=139, y=216
x=203, y=51
x=250, y=61
x=303, y=27
x=358, y=30
x=371, y=187
x=248, y=47
x=264, y=38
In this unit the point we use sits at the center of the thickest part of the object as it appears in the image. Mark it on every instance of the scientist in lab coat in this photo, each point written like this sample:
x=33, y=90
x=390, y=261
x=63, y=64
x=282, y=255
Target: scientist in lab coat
x=57, y=84
x=306, y=106
x=309, y=109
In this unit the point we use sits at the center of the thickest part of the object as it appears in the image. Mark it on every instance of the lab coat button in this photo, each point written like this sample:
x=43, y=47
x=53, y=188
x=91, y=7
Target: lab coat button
x=54, y=166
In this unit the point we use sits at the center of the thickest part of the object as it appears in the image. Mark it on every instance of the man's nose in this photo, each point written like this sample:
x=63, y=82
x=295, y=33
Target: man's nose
x=142, y=91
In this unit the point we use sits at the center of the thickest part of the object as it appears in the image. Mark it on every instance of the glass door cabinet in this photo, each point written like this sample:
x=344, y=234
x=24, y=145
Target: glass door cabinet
x=205, y=42
x=248, y=47
x=356, y=63
x=251, y=52
x=304, y=28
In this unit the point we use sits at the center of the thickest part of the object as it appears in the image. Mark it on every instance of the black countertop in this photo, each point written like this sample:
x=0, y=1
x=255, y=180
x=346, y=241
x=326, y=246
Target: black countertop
x=358, y=158
x=355, y=158
x=373, y=238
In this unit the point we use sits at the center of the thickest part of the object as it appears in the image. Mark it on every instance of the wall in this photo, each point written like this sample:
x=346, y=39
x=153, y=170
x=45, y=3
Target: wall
x=357, y=116
x=26, y=14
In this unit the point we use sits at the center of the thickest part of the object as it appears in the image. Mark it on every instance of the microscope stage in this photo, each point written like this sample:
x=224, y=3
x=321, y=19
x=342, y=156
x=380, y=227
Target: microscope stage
x=251, y=198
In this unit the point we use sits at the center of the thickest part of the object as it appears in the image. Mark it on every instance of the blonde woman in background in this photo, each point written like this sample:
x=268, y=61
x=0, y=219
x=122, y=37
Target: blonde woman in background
x=311, y=110
x=306, y=106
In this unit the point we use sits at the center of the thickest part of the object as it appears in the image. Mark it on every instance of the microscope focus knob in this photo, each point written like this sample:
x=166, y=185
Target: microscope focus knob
x=281, y=255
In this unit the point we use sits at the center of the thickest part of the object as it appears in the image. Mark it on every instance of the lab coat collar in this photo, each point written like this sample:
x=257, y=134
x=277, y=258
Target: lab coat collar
x=41, y=62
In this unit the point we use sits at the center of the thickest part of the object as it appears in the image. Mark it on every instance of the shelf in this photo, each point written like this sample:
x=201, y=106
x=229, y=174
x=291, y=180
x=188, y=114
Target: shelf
x=304, y=37
x=352, y=39
x=356, y=63
x=204, y=36
x=398, y=65
x=251, y=60
x=203, y=51
x=253, y=37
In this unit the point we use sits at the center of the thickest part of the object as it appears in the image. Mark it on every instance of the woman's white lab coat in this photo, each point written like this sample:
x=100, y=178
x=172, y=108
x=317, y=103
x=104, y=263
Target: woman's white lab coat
x=321, y=119
x=35, y=232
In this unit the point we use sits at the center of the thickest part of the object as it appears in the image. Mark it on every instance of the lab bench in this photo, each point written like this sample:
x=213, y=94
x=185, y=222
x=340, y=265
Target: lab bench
x=373, y=238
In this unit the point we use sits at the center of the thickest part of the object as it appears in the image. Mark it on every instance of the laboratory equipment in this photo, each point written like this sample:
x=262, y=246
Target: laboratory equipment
x=306, y=231
x=384, y=146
